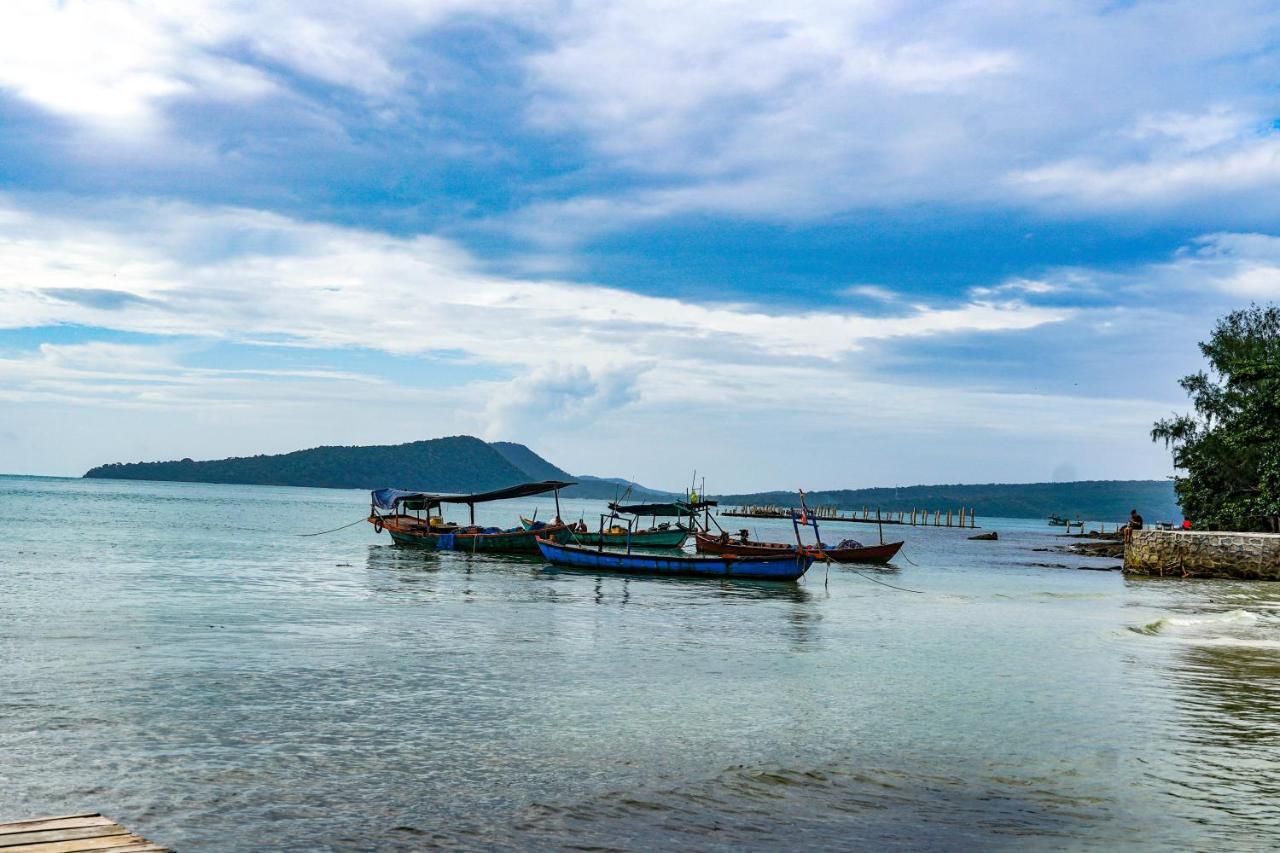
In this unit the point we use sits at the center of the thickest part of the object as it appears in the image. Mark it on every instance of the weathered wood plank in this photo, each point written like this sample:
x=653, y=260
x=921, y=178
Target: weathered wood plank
x=147, y=847
x=106, y=843
x=69, y=822
x=15, y=838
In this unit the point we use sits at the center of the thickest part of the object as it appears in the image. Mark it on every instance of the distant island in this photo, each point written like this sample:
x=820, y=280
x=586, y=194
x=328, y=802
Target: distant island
x=1090, y=500
x=463, y=463
x=459, y=463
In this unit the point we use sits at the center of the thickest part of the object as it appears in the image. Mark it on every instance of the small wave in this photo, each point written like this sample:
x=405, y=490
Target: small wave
x=1230, y=617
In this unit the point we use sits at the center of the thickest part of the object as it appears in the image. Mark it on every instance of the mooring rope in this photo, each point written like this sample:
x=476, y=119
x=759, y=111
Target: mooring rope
x=882, y=583
x=334, y=530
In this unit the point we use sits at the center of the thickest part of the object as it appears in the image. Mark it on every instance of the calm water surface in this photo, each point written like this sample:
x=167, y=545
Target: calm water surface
x=178, y=657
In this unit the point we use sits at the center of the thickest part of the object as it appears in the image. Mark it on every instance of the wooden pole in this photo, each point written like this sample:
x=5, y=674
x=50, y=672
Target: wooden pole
x=879, y=525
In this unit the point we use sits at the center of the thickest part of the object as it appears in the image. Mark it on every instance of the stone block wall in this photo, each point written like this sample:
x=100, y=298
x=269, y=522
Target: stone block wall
x=1203, y=554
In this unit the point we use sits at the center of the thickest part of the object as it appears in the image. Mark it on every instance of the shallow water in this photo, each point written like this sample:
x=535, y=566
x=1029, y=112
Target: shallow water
x=177, y=657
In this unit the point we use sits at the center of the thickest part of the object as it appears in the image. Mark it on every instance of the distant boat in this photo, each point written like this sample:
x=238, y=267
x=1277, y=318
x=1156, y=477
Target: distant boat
x=411, y=518
x=883, y=553
x=783, y=567
x=1059, y=521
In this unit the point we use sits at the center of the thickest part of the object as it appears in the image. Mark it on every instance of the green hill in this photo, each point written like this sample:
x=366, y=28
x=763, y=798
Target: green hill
x=462, y=463
x=458, y=463
x=1093, y=500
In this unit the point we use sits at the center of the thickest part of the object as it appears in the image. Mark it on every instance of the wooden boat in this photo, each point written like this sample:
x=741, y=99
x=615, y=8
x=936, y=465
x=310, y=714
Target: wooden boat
x=781, y=567
x=883, y=553
x=664, y=536
x=411, y=519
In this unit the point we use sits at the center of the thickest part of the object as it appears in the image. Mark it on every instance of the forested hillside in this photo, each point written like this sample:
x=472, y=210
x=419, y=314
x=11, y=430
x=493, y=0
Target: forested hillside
x=1094, y=500
x=458, y=463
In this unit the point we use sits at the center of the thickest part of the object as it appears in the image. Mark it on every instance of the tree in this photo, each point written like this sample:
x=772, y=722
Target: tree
x=1230, y=447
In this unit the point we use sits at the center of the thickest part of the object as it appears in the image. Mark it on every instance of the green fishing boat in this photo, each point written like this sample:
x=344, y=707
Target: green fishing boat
x=662, y=536
x=619, y=532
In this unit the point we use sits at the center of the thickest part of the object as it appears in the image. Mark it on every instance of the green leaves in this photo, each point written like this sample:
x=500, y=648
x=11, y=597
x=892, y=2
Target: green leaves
x=1230, y=447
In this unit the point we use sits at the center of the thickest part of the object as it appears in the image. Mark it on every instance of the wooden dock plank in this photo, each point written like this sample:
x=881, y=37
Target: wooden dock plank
x=17, y=838
x=72, y=822
x=72, y=834
x=104, y=843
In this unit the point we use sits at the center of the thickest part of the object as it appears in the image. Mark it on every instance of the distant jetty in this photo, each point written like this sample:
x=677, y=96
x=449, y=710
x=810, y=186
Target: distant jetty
x=962, y=517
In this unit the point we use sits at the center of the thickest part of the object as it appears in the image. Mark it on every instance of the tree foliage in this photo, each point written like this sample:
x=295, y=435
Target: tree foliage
x=1230, y=446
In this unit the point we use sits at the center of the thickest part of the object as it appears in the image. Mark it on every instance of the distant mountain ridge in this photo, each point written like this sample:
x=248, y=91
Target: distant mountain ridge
x=460, y=463
x=1092, y=500
x=463, y=463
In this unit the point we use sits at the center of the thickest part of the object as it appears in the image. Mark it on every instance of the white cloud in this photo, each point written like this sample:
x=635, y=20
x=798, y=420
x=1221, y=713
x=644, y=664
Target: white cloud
x=1249, y=167
x=556, y=395
x=788, y=112
x=114, y=63
x=246, y=276
x=575, y=353
x=802, y=111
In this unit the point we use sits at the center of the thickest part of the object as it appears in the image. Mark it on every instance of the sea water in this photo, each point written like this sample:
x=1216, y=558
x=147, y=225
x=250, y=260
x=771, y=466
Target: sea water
x=179, y=657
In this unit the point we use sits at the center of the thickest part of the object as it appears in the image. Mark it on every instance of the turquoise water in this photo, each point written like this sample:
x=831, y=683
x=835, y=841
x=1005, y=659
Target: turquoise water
x=177, y=657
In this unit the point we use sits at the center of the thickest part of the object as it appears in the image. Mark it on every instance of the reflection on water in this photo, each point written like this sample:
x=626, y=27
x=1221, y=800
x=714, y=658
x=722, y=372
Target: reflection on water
x=209, y=676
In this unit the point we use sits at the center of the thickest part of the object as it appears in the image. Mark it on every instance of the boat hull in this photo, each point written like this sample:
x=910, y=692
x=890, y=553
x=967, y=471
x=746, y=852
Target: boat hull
x=787, y=567
x=504, y=542
x=712, y=545
x=870, y=554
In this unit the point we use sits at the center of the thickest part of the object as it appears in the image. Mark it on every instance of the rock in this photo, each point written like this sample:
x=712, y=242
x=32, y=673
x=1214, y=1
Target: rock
x=1099, y=549
x=986, y=537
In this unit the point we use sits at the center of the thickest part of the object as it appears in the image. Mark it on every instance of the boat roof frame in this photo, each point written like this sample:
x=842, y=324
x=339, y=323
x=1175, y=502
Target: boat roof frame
x=430, y=499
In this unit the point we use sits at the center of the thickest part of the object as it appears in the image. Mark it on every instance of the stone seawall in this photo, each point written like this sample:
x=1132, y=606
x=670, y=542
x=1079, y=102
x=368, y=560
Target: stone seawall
x=1203, y=554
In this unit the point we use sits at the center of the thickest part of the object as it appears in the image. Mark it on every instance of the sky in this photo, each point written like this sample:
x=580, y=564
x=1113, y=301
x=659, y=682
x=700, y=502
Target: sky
x=808, y=244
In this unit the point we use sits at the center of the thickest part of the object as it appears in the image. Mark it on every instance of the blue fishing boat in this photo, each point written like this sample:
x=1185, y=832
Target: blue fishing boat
x=787, y=567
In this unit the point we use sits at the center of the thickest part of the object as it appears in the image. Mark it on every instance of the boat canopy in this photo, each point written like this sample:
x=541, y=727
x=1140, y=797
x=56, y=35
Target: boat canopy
x=386, y=499
x=674, y=508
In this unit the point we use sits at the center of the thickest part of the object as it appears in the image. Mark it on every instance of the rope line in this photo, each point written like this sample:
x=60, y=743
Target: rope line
x=334, y=530
x=882, y=583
